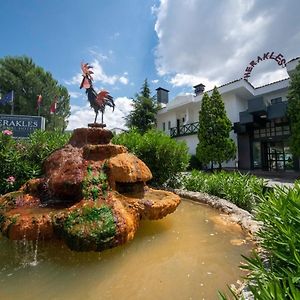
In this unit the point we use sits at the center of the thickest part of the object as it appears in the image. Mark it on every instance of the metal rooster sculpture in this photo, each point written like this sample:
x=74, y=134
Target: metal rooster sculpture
x=97, y=101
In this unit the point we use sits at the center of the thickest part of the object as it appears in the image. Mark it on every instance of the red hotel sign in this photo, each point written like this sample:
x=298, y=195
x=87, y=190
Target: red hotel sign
x=278, y=58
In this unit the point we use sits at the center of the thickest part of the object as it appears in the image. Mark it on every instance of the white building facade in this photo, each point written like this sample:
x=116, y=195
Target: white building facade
x=258, y=115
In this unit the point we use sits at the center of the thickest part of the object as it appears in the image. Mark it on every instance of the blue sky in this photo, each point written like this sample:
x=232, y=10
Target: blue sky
x=174, y=43
x=58, y=35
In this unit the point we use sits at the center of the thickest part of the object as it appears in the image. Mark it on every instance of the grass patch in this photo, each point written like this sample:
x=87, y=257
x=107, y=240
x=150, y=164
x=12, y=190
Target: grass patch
x=244, y=190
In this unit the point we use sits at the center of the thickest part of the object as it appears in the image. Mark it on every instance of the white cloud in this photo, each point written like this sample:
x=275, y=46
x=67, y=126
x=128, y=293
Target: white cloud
x=268, y=77
x=154, y=81
x=99, y=76
x=191, y=80
x=81, y=116
x=123, y=80
x=216, y=40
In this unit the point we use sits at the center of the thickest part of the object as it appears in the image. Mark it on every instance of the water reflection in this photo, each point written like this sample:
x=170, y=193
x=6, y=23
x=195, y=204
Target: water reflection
x=187, y=255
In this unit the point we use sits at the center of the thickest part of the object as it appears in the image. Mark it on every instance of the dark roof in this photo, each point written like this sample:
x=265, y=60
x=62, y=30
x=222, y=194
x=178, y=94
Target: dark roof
x=236, y=80
x=160, y=88
x=200, y=85
x=293, y=59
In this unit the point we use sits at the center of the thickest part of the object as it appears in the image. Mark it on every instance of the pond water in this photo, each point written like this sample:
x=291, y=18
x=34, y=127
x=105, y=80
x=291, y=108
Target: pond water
x=190, y=254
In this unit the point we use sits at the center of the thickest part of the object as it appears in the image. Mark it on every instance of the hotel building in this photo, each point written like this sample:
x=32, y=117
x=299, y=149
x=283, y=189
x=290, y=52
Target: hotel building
x=258, y=115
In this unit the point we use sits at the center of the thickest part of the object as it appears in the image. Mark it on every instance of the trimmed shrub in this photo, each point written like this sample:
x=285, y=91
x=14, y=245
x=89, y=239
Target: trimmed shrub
x=164, y=156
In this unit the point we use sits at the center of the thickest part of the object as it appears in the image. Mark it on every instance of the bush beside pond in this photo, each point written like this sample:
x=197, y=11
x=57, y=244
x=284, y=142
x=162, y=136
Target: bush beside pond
x=22, y=159
x=164, y=156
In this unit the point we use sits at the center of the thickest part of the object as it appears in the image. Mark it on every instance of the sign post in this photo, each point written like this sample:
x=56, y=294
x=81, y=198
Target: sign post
x=21, y=126
x=281, y=61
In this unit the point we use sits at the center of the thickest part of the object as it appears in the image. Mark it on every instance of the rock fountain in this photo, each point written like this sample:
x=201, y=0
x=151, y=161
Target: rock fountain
x=92, y=194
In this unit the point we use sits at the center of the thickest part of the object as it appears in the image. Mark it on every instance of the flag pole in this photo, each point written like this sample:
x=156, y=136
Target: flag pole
x=12, y=102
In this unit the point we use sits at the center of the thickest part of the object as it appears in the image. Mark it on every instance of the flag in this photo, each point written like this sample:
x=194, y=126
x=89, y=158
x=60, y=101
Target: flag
x=53, y=106
x=39, y=101
x=9, y=97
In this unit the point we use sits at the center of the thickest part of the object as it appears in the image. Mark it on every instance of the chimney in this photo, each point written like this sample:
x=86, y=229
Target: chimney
x=162, y=95
x=199, y=88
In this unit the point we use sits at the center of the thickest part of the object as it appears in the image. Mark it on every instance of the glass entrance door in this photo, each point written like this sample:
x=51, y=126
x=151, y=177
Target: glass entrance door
x=278, y=156
x=275, y=156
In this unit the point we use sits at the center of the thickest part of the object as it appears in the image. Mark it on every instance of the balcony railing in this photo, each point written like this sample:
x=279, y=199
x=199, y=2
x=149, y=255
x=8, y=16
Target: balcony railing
x=183, y=130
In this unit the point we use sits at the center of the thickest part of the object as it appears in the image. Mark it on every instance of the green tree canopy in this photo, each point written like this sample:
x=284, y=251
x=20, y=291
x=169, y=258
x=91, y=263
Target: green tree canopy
x=145, y=107
x=214, y=145
x=28, y=80
x=294, y=111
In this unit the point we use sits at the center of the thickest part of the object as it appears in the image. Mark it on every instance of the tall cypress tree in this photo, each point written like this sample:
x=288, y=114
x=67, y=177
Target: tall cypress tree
x=294, y=111
x=215, y=145
x=145, y=107
x=203, y=150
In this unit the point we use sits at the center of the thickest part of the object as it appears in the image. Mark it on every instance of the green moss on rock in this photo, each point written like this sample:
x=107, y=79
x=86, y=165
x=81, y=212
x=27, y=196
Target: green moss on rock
x=95, y=183
x=90, y=228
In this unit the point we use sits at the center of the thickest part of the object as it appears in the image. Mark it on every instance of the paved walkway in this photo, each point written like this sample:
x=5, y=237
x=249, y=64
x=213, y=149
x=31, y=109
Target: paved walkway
x=278, y=178
x=274, y=182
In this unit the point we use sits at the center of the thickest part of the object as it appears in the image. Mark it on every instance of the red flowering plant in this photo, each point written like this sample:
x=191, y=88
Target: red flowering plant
x=10, y=183
x=7, y=132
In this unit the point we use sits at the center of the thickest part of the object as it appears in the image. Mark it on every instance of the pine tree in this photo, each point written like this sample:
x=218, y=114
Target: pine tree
x=145, y=107
x=215, y=145
x=28, y=80
x=294, y=111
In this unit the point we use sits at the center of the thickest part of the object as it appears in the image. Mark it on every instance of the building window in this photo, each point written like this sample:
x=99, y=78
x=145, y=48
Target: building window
x=169, y=125
x=276, y=100
x=272, y=129
x=164, y=126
